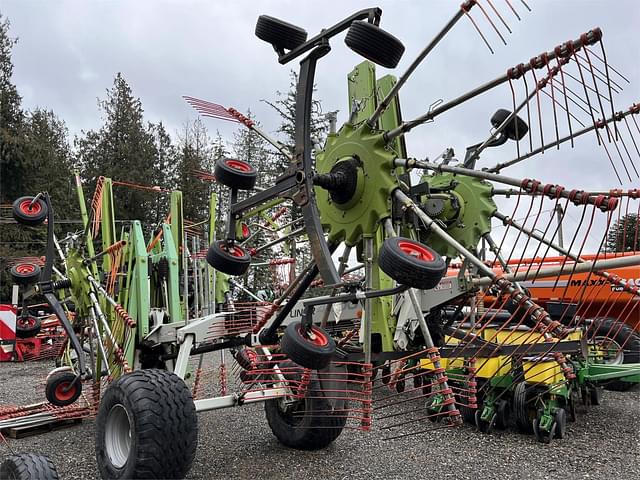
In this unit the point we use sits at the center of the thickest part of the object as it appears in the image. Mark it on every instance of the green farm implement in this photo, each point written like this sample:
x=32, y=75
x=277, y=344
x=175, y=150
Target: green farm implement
x=432, y=252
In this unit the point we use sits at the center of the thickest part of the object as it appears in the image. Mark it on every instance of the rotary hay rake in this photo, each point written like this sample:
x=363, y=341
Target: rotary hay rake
x=475, y=343
x=461, y=327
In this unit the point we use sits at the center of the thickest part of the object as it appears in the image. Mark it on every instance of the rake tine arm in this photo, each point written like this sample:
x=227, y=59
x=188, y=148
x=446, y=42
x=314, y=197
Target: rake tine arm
x=384, y=104
x=584, y=267
x=579, y=197
x=634, y=109
x=564, y=50
x=539, y=86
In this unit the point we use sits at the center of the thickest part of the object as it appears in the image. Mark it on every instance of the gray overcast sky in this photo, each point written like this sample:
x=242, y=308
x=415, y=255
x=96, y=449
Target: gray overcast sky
x=70, y=50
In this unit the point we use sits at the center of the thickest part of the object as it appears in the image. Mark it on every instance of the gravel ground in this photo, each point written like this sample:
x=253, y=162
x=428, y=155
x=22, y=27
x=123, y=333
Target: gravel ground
x=237, y=443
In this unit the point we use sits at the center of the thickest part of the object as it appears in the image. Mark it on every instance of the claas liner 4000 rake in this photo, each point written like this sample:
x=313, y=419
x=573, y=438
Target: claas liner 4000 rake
x=447, y=322
x=474, y=343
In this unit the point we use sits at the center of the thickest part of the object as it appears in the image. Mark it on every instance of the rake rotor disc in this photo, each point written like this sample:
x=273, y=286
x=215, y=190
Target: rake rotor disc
x=466, y=215
x=376, y=180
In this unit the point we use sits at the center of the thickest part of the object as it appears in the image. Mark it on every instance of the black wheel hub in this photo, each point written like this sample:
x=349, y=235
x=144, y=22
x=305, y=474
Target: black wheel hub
x=341, y=182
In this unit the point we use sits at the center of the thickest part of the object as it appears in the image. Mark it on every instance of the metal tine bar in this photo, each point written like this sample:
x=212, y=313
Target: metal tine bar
x=505, y=285
x=538, y=109
x=475, y=25
x=525, y=5
x=606, y=150
x=384, y=104
x=606, y=69
x=577, y=80
x=214, y=110
x=604, y=76
x=584, y=87
x=597, y=79
x=526, y=92
x=634, y=109
x=632, y=137
x=513, y=104
x=595, y=85
x=584, y=242
x=513, y=10
x=578, y=97
x=571, y=244
x=553, y=98
x=542, y=239
x=539, y=86
x=561, y=51
x=633, y=193
x=516, y=242
x=484, y=12
x=583, y=267
x=533, y=228
x=579, y=197
x=566, y=102
x=568, y=113
x=556, y=232
x=490, y=3
x=615, y=144
x=493, y=247
x=613, y=69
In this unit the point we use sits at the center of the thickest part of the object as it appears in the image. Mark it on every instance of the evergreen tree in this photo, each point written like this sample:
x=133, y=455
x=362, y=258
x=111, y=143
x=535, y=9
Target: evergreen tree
x=125, y=150
x=13, y=163
x=623, y=234
x=285, y=105
x=195, y=153
x=34, y=157
x=248, y=146
x=219, y=150
x=164, y=172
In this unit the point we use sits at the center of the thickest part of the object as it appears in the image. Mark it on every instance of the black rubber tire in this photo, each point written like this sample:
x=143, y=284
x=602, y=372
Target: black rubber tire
x=543, y=437
x=55, y=386
x=163, y=426
x=303, y=350
x=235, y=263
x=306, y=431
x=279, y=33
x=374, y=44
x=27, y=327
x=503, y=414
x=521, y=408
x=482, y=425
x=31, y=217
x=234, y=173
x=468, y=414
x=25, y=273
x=28, y=466
x=516, y=129
x=561, y=423
x=385, y=373
x=624, y=336
x=595, y=395
x=411, y=270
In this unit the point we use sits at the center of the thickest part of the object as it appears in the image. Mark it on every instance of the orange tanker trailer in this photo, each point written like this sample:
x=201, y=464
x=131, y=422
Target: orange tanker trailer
x=592, y=294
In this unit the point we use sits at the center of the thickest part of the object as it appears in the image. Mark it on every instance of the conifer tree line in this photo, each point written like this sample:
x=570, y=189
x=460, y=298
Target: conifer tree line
x=37, y=153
